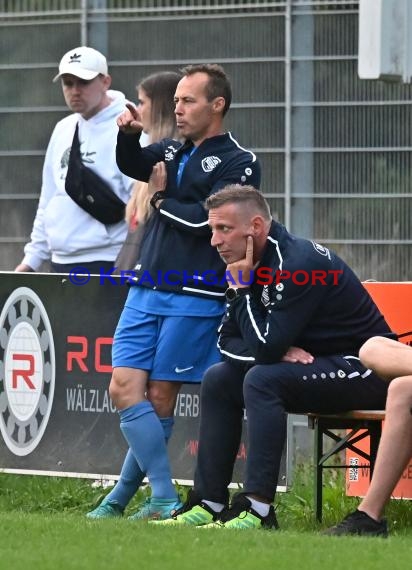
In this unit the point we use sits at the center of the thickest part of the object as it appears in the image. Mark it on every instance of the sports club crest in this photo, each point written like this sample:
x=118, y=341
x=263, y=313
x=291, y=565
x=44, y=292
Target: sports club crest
x=321, y=249
x=210, y=162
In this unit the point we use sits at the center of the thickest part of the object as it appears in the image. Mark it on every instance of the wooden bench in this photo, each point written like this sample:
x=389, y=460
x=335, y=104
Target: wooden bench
x=357, y=425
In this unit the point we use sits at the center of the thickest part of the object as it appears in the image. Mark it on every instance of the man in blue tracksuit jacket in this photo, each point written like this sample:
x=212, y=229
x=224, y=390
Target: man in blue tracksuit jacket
x=166, y=334
x=295, y=320
x=177, y=236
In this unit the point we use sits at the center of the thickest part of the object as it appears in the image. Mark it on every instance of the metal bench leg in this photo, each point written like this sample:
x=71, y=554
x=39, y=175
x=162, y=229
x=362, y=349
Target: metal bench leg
x=375, y=431
x=318, y=471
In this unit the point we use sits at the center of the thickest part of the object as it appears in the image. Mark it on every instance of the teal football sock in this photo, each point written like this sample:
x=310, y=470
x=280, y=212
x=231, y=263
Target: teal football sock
x=144, y=433
x=131, y=476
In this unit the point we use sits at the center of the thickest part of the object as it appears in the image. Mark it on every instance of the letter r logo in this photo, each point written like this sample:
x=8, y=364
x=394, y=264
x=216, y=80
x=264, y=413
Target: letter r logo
x=25, y=373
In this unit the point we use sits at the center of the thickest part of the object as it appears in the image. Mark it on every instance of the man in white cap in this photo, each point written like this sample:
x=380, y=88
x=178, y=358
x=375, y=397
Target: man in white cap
x=64, y=232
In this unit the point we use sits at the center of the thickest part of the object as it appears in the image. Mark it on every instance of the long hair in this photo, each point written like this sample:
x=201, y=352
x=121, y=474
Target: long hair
x=160, y=89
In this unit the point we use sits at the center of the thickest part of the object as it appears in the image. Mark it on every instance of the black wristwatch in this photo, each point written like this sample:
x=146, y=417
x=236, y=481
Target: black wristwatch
x=233, y=293
x=159, y=195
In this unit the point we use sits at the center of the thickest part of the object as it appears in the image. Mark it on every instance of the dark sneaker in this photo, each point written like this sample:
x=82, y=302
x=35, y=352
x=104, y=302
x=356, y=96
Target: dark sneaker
x=242, y=516
x=359, y=523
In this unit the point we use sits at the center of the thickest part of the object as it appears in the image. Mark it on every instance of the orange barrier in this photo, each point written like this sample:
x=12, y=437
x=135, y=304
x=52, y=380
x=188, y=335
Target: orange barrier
x=395, y=302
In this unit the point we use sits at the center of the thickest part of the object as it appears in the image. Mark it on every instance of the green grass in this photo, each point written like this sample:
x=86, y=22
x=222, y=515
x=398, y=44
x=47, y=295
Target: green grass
x=42, y=526
x=35, y=541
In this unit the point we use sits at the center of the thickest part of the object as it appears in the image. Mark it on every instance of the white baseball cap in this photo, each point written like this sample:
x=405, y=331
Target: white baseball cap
x=84, y=62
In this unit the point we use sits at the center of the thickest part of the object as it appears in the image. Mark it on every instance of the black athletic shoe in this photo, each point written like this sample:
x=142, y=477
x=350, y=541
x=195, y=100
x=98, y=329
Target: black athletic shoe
x=359, y=523
x=241, y=515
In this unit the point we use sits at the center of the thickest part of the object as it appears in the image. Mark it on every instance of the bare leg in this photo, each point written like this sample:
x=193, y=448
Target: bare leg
x=128, y=386
x=395, y=448
x=388, y=358
x=163, y=395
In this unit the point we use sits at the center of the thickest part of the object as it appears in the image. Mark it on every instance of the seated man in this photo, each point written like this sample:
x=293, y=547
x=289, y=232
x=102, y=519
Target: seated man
x=390, y=359
x=284, y=292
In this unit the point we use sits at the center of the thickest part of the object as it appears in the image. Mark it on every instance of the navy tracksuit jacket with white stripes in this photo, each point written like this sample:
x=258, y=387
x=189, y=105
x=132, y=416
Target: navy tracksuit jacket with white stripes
x=317, y=304
x=177, y=237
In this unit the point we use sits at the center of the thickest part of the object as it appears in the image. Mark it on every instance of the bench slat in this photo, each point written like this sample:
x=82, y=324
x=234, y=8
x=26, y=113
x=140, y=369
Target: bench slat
x=352, y=415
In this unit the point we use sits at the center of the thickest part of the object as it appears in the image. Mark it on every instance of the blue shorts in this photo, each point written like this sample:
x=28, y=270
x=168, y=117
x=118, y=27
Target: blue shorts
x=178, y=349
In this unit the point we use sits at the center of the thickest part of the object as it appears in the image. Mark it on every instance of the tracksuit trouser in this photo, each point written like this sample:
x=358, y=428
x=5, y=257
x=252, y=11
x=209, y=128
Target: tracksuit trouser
x=331, y=384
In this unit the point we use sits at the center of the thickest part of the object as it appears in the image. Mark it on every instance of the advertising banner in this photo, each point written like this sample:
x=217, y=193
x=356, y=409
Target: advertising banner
x=56, y=416
x=394, y=301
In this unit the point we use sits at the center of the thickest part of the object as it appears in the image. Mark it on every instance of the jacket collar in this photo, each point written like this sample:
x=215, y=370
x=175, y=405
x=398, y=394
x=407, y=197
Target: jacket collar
x=272, y=253
x=211, y=141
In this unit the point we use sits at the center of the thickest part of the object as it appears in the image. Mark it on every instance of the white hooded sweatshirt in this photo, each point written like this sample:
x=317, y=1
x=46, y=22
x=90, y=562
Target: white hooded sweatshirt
x=62, y=231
